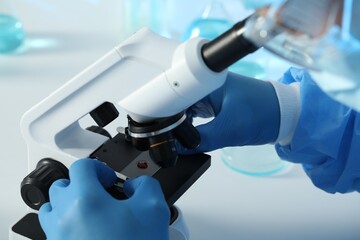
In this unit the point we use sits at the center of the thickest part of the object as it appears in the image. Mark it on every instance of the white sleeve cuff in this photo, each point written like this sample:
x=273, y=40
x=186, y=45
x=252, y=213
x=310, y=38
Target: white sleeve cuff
x=290, y=105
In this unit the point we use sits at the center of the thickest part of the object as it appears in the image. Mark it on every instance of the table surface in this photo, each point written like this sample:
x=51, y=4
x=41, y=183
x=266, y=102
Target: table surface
x=221, y=204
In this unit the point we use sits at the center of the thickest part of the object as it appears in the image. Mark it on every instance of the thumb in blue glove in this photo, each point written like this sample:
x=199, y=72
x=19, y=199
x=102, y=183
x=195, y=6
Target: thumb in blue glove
x=245, y=110
x=81, y=208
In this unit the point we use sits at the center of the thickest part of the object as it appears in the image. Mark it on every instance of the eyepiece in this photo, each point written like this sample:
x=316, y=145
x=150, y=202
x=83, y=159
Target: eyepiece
x=228, y=48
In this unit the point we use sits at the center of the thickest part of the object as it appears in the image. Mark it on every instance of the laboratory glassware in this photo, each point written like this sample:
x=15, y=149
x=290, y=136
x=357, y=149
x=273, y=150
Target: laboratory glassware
x=12, y=33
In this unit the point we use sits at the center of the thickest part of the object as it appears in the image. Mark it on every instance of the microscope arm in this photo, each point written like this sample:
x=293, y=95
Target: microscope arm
x=148, y=76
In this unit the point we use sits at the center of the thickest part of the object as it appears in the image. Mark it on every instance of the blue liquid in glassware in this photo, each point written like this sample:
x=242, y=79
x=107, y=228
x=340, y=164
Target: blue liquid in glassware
x=206, y=28
x=11, y=33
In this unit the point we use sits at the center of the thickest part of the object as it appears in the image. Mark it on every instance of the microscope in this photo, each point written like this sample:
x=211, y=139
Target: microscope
x=153, y=80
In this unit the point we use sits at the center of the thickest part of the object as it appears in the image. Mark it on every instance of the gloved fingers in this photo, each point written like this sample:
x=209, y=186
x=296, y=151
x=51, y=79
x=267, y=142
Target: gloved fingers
x=45, y=208
x=89, y=173
x=44, y=215
x=180, y=149
x=145, y=193
x=210, y=139
x=202, y=109
x=56, y=189
x=60, y=183
x=143, y=186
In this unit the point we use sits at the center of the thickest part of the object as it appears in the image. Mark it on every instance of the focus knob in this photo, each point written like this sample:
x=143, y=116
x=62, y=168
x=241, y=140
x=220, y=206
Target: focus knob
x=35, y=186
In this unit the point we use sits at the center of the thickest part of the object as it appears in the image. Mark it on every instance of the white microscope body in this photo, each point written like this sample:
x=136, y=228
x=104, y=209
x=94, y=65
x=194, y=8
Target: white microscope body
x=147, y=76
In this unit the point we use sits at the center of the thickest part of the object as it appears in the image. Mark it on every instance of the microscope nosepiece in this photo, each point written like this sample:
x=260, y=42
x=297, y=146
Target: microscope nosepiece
x=159, y=137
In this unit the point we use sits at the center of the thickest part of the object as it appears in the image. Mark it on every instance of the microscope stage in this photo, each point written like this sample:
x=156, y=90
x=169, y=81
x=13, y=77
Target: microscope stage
x=120, y=155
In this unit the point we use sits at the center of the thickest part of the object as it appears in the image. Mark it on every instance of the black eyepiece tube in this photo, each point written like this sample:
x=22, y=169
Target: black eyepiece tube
x=228, y=48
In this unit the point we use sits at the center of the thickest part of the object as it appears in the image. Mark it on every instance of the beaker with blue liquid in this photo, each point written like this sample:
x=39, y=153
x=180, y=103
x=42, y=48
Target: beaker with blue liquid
x=12, y=34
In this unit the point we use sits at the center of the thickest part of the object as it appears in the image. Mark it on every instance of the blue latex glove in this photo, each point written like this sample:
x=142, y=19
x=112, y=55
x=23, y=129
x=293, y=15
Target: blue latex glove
x=245, y=110
x=81, y=208
x=327, y=138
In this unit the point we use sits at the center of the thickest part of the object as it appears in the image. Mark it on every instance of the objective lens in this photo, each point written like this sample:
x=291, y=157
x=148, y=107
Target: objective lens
x=187, y=134
x=164, y=152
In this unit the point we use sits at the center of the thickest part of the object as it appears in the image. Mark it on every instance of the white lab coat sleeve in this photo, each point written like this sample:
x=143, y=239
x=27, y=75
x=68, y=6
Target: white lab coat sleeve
x=290, y=105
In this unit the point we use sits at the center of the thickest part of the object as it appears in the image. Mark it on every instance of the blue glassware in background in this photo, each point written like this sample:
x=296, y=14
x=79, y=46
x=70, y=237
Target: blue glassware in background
x=12, y=34
x=213, y=21
x=144, y=13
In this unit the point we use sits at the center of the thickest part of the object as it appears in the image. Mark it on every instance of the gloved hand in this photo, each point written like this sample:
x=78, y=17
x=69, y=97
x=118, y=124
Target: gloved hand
x=81, y=208
x=245, y=110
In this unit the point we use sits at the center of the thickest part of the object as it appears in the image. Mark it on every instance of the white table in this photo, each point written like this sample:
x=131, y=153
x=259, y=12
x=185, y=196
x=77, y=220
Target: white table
x=221, y=205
